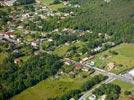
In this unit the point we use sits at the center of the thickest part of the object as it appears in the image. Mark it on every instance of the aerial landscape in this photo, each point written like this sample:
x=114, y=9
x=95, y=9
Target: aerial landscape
x=66, y=49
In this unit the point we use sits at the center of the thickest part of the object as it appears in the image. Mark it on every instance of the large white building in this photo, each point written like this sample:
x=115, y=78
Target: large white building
x=7, y=2
x=131, y=73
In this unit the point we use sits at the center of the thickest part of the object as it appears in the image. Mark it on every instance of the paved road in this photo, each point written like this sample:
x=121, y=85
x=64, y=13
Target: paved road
x=8, y=39
x=111, y=77
x=114, y=76
x=88, y=93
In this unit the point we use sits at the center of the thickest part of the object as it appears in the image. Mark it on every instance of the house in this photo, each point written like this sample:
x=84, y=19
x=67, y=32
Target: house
x=65, y=2
x=50, y=40
x=92, y=97
x=65, y=29
x=84, y=59
x=34, y=43
x=56, y=30
x=103, y=97
x=18, y=40
x=91, y=57
x=37, y=52
x=97, y=48
x=107, y=36
x=131, y=73
x=62, y=18
x=25, y=15
x=43, y=35
x=86, y=69
x=20, y=27
x=7, y=2
x=1, y=34
x=33, y=32
x=130, y=98
x=8, y=34
x=71, y=13
x=78, y=66
x=72, y=99
x=58, y=14
x=67, y=43
x=107, y=1
x=72, y=73
x=99, y=34
x=92, y=63
x=61, y=72
x=16, y=51
x=111, y=65
x=82, y=34
x=17, y=60
x=77, y=6
x=66, y=14
x=68, y=62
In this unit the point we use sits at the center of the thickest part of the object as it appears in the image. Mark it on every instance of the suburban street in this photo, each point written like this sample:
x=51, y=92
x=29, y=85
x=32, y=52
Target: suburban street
x=8, y=39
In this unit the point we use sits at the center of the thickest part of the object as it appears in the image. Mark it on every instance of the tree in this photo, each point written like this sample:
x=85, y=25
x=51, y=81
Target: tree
x=127, y=92
x=56, y=2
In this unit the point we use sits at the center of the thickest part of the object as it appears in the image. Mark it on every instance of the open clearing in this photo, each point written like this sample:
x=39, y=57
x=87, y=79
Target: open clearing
x=2, y=57
x=125, y=58
x=52, y=6
x=61, y=51
x=50, y=88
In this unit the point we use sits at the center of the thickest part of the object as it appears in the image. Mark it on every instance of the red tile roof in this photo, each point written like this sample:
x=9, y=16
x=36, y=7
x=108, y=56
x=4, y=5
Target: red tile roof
x=130, y=98
x=78, y=66
x=8, y=33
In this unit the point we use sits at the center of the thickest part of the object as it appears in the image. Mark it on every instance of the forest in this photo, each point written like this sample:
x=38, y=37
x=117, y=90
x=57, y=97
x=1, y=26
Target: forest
x=115, y=18
x=21, y=2
x=18, y=78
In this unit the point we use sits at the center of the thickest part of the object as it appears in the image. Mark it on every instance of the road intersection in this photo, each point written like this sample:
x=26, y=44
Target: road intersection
x=111, y=77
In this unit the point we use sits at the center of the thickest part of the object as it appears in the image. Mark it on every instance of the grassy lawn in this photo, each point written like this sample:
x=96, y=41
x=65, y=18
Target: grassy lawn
x=29, y=38
x=125, y=87
x=47, y=2
x=61, y=51
x=125, y=57
x=2, y=57
x=56, y=6
x=52, y=6
x=25, y=58
x=50, y=88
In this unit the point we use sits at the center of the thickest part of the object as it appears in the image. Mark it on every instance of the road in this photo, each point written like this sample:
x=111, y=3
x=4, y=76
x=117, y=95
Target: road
x=114, y=76
x=8, y=39
x=88, y=93
x=111, y=77
x=104, y=72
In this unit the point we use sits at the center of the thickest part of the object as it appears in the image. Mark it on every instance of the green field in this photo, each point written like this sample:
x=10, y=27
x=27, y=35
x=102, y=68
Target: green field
x=56, y=6
x=125, y=87
x=61, y=51
x=2, y=57
x=52, y=6
x=125, y=58
x=47, y=2
x=50, y=88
